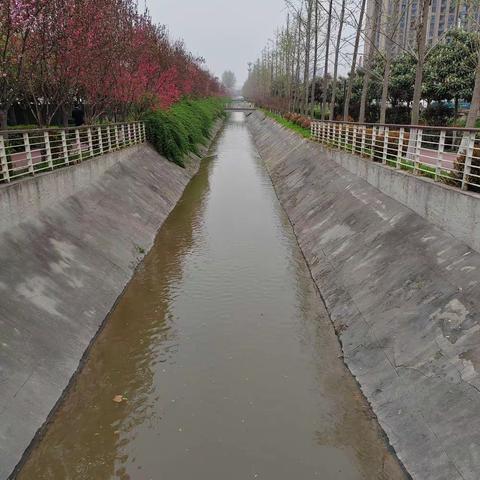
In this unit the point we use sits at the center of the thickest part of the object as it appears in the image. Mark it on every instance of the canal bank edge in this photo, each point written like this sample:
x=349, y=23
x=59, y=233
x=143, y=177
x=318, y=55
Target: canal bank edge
x=402, y=295
x=63, y=269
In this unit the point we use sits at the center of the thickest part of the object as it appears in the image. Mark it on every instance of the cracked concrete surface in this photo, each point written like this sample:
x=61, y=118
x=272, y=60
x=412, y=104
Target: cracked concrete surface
x=403, y=295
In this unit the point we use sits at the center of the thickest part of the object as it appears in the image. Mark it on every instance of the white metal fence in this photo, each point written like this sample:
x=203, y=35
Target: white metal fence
x=449, y=155
x=29, y=152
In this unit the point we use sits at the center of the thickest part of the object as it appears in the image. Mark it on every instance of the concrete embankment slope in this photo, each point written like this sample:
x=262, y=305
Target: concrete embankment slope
x=404, y=297
x=62, y=270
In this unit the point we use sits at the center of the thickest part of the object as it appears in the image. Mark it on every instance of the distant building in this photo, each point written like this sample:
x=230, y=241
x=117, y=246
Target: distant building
x=443, y=16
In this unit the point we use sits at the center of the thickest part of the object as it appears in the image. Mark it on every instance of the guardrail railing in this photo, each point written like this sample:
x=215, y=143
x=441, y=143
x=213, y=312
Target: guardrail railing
x=445, y=154
x=29, y=152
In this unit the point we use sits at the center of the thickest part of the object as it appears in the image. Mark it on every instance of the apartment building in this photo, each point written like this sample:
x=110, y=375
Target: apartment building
x=443, y=16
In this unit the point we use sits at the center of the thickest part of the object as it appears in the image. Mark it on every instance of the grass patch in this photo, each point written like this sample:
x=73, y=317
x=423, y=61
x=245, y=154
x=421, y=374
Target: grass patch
x=422, y=169
x=180, y=130
x=304, y=132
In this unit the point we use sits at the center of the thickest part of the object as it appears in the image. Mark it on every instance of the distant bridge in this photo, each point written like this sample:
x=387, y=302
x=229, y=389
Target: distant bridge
x=240, y=106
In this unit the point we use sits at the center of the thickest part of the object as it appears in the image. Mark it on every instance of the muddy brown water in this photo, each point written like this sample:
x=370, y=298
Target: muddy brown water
x=223, y=352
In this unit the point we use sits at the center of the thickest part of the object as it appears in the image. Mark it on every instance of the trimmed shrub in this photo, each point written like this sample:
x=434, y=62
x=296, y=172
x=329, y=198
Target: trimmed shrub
x=298, y=119
x=339, y=118
x=178, y=131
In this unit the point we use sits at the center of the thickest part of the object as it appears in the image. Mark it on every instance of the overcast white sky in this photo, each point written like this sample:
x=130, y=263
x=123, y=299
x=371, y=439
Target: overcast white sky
x=227, y=33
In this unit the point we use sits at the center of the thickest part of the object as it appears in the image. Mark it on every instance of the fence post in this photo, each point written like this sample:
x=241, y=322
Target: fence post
x=354, y=139
x=117, y=143
x=339, y=136
x=100, y=140
x=28, y=151
x=48, y=149
x=109, y=139
x=3, y=160
x=441, y=148
x=364, y=135
x=374, y=138
x=401, y=137
x=90, y=141
x=385, y=145
x=468, y=160
x=79, y=144
x=64, y=147
x=418, y=148
x=144, y=132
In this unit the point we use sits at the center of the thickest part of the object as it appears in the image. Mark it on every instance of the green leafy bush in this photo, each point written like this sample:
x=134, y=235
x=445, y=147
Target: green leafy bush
x=179, y=130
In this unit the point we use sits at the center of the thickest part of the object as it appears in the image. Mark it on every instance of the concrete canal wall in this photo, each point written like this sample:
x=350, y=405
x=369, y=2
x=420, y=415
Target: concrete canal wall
x=24, y=199
x=403, y=295
x=454, y=210
x=69, y=243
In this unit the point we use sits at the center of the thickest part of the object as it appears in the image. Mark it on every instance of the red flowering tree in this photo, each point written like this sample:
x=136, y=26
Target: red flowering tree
x=101, y=53
x=17, y=21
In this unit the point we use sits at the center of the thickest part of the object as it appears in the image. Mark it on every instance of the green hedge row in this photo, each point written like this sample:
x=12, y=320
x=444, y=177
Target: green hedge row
x=181, y=129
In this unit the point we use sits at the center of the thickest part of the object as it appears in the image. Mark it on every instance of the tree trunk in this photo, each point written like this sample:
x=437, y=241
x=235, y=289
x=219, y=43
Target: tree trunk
x=315, y=62
x=12, y=116
x=368, y=65
x=421, y=48
x=288, y=94
x=335, y=67
x=3, y=119
x=473, y=112
x=306, y=74
x=348, y=96
x=475, y=105
x=65, y=111
x=392, y=25
x=297, y=72
x=327, y=51
x=384, y=100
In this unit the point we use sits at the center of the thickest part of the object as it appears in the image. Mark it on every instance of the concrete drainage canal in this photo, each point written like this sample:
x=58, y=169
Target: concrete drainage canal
x=219, y=361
